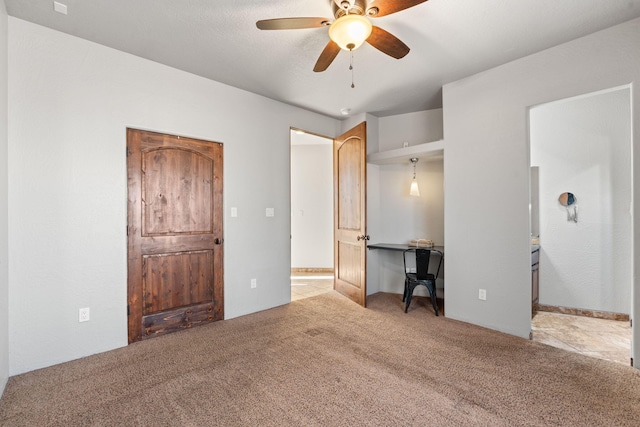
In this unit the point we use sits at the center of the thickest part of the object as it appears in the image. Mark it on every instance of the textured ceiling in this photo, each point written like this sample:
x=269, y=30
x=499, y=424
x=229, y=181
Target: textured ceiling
x=449, y=39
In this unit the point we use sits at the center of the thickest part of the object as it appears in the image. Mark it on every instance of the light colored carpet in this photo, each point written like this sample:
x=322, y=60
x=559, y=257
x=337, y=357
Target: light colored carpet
x=324, y=361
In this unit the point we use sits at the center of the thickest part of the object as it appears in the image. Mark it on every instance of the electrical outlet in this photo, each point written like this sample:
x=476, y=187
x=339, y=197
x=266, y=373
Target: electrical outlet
x=83, y=315
x=254, y=283
x=482, y=294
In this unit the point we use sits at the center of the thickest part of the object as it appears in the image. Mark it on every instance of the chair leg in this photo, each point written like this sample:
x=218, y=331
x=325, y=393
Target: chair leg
x=435, y=304
x=433, y=297
x=410, y=288
x=404, y=294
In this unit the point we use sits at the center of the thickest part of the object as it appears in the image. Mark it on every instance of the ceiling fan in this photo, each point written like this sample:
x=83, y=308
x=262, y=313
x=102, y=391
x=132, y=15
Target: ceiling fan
x=351, y=27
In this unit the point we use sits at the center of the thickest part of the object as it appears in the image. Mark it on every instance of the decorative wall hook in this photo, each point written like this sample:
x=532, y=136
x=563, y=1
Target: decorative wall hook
x=568, y=200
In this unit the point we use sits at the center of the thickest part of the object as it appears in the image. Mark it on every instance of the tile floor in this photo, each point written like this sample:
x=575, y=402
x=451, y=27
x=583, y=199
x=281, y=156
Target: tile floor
x=601, y=338
x=305, y=285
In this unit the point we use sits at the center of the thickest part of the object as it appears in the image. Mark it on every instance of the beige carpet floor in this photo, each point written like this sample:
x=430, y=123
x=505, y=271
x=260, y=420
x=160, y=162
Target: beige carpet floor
x=323, y=361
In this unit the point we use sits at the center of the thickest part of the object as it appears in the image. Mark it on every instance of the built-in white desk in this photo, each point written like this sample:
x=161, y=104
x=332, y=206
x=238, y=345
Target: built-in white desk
x=401, y=247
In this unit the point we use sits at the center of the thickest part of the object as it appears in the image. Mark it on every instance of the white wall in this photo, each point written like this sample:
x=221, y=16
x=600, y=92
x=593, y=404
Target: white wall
x=71, y=102
x=4, y=207
x=408, y=217
x=582, y=145
x=312, y=204
x=374, y=201
x=487, y=169
x=414, y=128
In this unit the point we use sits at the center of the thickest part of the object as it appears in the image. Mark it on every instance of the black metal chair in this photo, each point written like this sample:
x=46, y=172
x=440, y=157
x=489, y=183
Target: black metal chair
x=420, y=277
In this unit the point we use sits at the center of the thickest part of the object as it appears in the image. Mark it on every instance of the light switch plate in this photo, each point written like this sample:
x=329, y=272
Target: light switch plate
x=234, y=212
x=60, y=8
x=270, y=212
x=84, y=315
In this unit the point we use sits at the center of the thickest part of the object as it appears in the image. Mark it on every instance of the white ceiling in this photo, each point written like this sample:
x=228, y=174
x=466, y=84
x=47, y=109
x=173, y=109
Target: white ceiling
x=449, y=39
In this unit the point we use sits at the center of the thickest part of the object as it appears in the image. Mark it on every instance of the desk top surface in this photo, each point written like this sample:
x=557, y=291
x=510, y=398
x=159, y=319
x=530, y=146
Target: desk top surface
x=402, y=247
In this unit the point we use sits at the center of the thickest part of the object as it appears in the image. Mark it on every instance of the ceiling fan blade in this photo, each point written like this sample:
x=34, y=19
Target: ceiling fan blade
x=292, y=23
x=387, y=43
x=387, y=7
x=327, y=56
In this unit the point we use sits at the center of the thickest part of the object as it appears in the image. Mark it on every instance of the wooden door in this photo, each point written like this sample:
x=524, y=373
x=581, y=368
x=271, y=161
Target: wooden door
x=350, y=210
x=174, y=229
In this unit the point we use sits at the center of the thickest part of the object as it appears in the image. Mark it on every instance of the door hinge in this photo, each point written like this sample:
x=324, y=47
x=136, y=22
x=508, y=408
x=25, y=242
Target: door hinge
x=127, y=231
x=128, y=310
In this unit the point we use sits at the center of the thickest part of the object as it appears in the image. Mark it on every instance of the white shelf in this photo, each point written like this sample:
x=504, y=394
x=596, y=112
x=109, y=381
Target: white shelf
x=425, y=152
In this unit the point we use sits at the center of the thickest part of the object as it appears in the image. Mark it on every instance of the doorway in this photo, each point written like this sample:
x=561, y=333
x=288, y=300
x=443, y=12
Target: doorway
x=311, y=214
x=581, y=198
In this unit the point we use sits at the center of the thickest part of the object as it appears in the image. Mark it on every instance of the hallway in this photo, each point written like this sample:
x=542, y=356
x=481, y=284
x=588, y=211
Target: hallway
x=600, y=338
x=305, y=285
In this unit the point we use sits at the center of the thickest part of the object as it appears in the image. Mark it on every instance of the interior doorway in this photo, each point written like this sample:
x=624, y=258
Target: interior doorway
x=311, y=214
x=581, y=198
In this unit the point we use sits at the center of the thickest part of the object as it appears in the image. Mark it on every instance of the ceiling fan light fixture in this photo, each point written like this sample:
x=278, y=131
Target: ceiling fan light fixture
x=350, y=31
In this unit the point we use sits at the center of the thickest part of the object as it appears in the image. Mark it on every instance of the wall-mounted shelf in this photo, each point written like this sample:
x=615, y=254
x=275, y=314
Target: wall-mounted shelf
x=425, y=152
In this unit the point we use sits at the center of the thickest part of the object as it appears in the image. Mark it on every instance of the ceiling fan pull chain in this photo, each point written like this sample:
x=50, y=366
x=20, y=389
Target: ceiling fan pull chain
x=351, y=68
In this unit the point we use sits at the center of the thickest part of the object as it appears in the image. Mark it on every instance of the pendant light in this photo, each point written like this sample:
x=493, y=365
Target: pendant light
x=414, y=190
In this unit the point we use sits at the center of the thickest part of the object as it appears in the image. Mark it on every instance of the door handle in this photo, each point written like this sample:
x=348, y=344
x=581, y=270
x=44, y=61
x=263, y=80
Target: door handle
x=364, y=237
x=218, y=241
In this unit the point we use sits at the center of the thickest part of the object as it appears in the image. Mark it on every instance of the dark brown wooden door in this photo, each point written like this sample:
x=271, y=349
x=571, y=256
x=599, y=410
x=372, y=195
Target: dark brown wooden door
x=174, y=229
x=350, y=210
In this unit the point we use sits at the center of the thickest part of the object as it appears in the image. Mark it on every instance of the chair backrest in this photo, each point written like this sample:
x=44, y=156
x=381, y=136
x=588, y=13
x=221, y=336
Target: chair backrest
x=422, y=262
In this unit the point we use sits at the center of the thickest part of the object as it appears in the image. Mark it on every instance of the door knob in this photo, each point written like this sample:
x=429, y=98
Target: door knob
x=364, y=237
x=218, y=241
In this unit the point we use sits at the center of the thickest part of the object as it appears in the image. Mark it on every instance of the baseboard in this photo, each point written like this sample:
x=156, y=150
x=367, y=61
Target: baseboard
x=582, y=312
x=312, y=270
